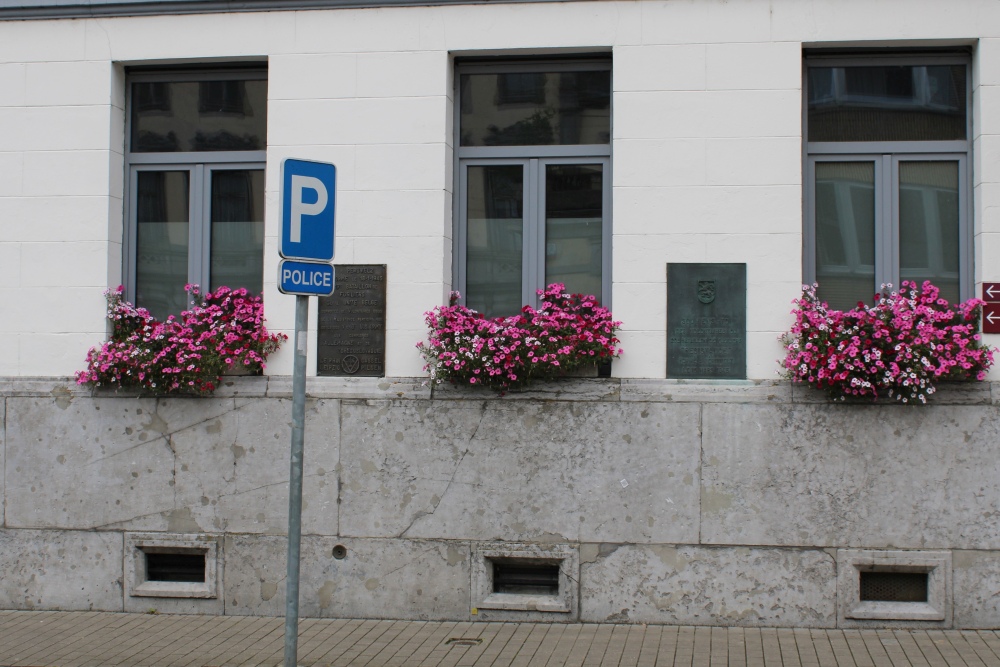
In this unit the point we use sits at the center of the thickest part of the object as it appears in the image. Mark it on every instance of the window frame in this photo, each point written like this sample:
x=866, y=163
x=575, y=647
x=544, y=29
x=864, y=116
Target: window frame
x=534, y=158
x=887, y=156
x=199, y=164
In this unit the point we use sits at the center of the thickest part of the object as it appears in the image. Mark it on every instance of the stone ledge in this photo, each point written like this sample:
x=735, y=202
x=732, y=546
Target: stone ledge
x=707, y=391
x=566, y=389
x=652, y=390
x=280, y=386
x=43, y=386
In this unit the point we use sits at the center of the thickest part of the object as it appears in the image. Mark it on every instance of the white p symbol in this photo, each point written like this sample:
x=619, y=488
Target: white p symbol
x=300, y=208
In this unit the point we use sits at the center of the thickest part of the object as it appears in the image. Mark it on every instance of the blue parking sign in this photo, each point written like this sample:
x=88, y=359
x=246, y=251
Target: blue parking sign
x=308, y=195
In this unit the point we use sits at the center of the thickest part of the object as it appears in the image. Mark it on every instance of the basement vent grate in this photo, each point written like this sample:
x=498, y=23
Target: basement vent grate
x=517, y=577
x=893, y=586
x=185, y=567
x=525, y=578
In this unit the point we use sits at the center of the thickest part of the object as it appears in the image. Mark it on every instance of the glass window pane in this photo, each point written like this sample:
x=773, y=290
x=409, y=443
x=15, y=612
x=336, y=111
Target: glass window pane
x=169, y=116
x=845, y=232
x=536, y=108
x=928, y=224
x=495, y=239
x=237, y=255
x=887, y=103
x=574, y=206
x=161, y=255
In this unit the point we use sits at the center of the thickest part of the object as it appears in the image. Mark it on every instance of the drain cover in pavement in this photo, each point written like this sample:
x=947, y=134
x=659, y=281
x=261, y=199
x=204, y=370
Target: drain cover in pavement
x=464, y=641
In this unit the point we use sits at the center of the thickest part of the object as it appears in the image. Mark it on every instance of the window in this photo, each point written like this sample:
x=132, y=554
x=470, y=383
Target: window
x=195, y=198
x=887, y=173
x=534, y=147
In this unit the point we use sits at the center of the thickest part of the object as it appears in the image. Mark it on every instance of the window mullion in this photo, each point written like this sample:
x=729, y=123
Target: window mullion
x=461, y=234
x=131, y=234
x=888, y=225
x=966, y=285
x=534, y=231
x=606, y=233
x=197, y=230
x=809, y=242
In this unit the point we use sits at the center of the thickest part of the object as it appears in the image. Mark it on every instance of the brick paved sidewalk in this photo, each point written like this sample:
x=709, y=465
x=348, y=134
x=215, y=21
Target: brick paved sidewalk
x=102, y=639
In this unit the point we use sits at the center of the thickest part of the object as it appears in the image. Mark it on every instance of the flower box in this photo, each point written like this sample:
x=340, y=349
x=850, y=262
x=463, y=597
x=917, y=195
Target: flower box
x=569, y=335
x=899, y=348
x=223, y=334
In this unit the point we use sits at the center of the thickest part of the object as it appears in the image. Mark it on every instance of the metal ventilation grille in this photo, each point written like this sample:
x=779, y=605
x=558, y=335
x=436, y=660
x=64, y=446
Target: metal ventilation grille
x=894, y=586
x=525, y=578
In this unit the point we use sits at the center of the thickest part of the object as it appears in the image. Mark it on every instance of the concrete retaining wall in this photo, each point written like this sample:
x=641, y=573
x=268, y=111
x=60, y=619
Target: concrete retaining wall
x=692, y=503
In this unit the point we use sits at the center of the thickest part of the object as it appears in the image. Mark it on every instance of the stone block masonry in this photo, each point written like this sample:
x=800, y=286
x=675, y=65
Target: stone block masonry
x=702, y=503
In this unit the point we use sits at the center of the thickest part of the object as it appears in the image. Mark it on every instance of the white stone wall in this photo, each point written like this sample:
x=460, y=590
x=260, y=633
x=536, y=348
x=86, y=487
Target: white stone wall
x=707, y=148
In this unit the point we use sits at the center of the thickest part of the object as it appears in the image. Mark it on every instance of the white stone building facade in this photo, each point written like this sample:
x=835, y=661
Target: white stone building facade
x=753, y=502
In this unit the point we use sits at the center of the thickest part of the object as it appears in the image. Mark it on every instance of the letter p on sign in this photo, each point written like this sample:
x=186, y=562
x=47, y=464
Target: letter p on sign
x=299, y=205
x=308, y=198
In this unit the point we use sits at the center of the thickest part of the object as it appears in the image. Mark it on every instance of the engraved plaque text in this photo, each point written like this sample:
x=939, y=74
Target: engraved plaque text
x=707, y=321
x=351, y=330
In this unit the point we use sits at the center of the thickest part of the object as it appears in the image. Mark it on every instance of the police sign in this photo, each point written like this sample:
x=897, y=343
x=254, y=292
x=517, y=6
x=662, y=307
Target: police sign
x=308, y=195
x=305, y=278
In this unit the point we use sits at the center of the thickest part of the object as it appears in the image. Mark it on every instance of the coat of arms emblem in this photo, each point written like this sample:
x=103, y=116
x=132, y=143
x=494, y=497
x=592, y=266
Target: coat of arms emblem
x=706, y=291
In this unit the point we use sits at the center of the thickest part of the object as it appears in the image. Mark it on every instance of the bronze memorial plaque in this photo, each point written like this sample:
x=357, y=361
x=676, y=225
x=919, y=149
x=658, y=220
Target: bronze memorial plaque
x=351, y=329
x=707, y=321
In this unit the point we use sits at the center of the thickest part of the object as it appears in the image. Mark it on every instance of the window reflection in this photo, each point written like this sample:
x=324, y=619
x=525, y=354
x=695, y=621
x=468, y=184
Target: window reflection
x=228, y=115
x=162, y=212
x=887, y=103
x=928, y=224
x=495, y=239
x=222, y=97
x=237, y=250
x=573, y=227
x=521, y=88
x=845, y=232
x=151, y=96
x=536, y=108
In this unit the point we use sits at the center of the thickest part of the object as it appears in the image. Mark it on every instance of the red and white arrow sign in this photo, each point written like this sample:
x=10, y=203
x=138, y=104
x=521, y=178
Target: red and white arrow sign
x=991, y=318
x=991, y=292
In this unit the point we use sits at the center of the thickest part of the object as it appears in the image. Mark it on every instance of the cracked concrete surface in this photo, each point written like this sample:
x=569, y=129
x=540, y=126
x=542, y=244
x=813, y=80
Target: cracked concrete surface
x=692, y=585
x=855, y=475
x=544, y=472
x=69, y=570
x=208, y=465
x=684, y=511
x=411, y=579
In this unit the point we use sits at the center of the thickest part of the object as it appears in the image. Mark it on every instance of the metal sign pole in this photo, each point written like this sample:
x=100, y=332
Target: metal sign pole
x=295, y=481
x=306, y=246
